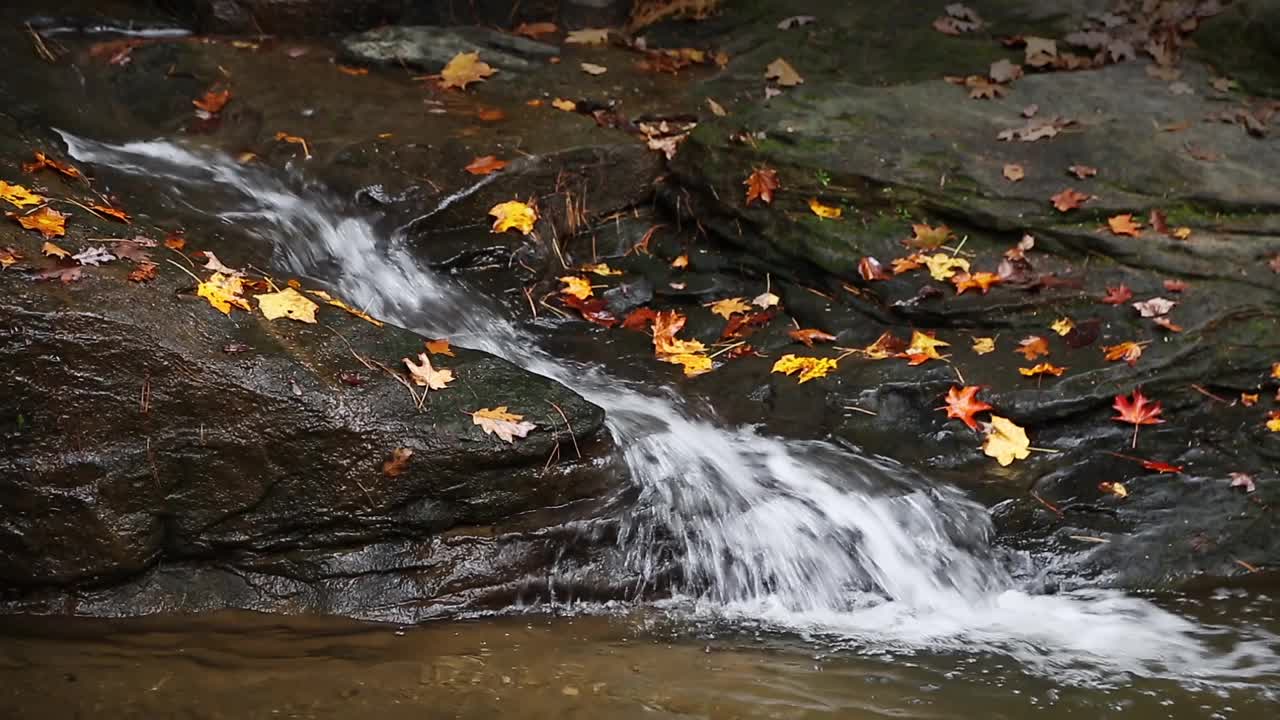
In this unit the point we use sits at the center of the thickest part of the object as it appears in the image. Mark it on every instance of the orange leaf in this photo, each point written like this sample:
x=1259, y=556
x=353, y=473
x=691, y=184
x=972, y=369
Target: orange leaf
x=1124, y=225
x=871, y=269
x=1126, y=351
x=535, y=30
x=439, y=347
x=963, y=404
x=42, y=161
x=1117, y=295
x=143, y=273
x=1069, y=199
x=1043, y=369
x=399, y=460
x=485, y=165
x=1137, y=410
x=981, y=280
x=49, y=222
x=111, y=212
x=1033, y=347
x=175, y=242
x=1014, y=173
x=760, y=185
x=1082, y=172
x=639, y=319
x=809, y=335
x=213, y=101
x=354, y=71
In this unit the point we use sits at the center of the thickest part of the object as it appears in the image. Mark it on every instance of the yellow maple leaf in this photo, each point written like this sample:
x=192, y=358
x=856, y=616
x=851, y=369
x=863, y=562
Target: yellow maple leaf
x=1006, y=441
x=464, y=69
x=923, y=347
x=824, y=211
x=1062, y=326
x=287, y=303
x=565, y=105
x=1273, y=422
x=222, y=292
x=601, y=269
x=927, y=237
x=424, y=375
x=809, y=368
x=729, y=306
x=578, y=287
x=46, y=220
x=18, y=196
x=984, y=345
x=513, y=214
x=1182, y=233
x=694, y=363
x=942, y=266
x=339, y=304
x=498, y=421
x=681, y=262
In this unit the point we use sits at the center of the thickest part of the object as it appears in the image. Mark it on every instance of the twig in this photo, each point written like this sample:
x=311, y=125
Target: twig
x=864, y=411
x=528, y=295
x=42, y=50
x=1200, y=389
x=1089, y=538
x=566, y=424
x=1047, y=504
x=193, y=275
x=726, y=349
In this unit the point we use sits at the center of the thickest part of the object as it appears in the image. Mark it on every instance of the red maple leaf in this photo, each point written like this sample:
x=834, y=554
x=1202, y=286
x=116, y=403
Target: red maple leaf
x=1137, y=410
x=1117, y=295
x=962, y=405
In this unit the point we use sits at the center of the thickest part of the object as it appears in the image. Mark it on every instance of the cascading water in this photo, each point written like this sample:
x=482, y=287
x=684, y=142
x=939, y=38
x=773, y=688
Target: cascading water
x=798, y=535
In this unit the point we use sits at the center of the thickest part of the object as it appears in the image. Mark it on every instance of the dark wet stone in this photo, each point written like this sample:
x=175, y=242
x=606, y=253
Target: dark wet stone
x=289, y=18
x=576, y=14
x=431, y=48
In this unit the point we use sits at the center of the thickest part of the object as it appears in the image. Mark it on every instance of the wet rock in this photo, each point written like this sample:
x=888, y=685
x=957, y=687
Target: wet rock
x=576, y=14
x=287, y=17
x=431, y=48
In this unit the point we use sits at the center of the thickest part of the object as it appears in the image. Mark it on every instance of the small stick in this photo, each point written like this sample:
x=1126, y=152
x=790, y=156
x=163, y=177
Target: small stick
x=1089, y=538
x=726, y=349
x=864, y=411
x=1047, y=504
x=566, y=424
x=1208, y=394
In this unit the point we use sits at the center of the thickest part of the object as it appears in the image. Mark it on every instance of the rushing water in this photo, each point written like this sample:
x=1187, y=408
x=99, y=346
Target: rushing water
x=798, y=536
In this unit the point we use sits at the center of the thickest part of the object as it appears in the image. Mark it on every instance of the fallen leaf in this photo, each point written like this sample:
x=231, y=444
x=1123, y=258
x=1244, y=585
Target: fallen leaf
x=824, y=211
x=962, y=404
x=1082, y=172
x=681, y=262
x=1124, y=225
x=353, y=71
x=18, y=196
x=331, y=300
x=1033, y=347
x=871, y=269
x=1275, y=370
x=760, y=185
x=1176, y=286
x=942, y=266
x=295, y=140
x=1181, y=233
x=422, y=374
x=1273, y=420
x=485, y=165
x=287, y=303
x=923, y=348
x=924, y=237
x=490, y=115
x=114, y=213
x=1114, y=488
x=716, y=108
x=587, y=36
x=1069, y=199
x=213, y=101
x=1014, y=173
x=915, y=261
x=145, y=272
x=223, y=292
x=1118, y=295
x=1062, y=326
x=1005, y=441
x=1003, y=71
x=808, y=336
x=885, y=346
x=980, y=280
x=66, y=275
x=505, y=425
x=578, y=287
x=535, y=30
x=1042, y=369
x=49, y=222
x=694, y=364
x=781, y=72
x=396, y=464
x=9, y=257
x=984, y=345
x=51, y=250
x=42, y=161
x=1137, y=410
x=795, y=21
x=513, y=214
x=175, y=242
x=766, y=300
x=93, y=256
x=729, y=306
x=593, y=69
x=1243, y=481
x=1040, y=51
x=601, y=269
x=980, y=88
x=810, y=368
x=1167, y=324
x=565, y=105
x=639, y=319
x=1249, y=399
x=1126, y=351
x=464, y=69
x=1154, y=307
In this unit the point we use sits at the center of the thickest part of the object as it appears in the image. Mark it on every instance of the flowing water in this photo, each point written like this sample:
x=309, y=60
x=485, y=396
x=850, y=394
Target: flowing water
x=851, y=554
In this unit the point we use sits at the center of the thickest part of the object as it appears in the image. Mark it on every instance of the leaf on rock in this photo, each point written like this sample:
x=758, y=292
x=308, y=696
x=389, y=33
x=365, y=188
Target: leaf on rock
x=1014, y=173
x=1273, y=421
x=1124, y=225
x=66, y=275
x=639, y=319
x=781, y=72
x=213, y=101
x=1006, y=441
x=395, y=465
x=809, y=368
x=439, y=347
x=223, y=292
x=505, y=425
x=52, y=250
x=982, y=281
x=1154, y=307
x=424, y=375
x=1003, y=71
x=587, y=36
x=1176, y=286
x=1127, y=351
x=18, y=196
x=915, y=261
x=1062, y=326
x=963, y=404
x=1118, y=295
x=1082, y=172
x=729, y=306
x=885, y=346
x=984, y=345
x=43, y=161
x=808, y=336
x=1114, y=488
x=485, y=165
x=871, y=269
x=564, y=105
x=1137, y=410
x=760, y=185
x=578, y=287
x=1033, y=347
x=1069, y=199
x=681, y=262
x=1243, y=481
x=942, y=266
x=593, y=69
x=331, y=300
x=145, y=272
x=287, y=303
x=824, y=211
x=536, y=30
x=513, y=214
x=601, y=269
x=465, y=68
x=925, y=237
x=1043, y=369
x=93, y=256
x=47, y=221
x=922, y=348
x=766, y=300
x=9, y=257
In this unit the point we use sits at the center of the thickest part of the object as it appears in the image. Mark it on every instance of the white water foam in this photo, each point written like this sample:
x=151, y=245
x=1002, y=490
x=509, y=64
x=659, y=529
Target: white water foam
x=800, y=536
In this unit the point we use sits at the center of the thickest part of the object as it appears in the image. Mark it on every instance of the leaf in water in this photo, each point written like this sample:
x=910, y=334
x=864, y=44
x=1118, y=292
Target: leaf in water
x=213, y=101
x=505, y=425
x=1137, y=410
x=485, y=165
x=681, y=262
x=639, y=319
x=223, y=292
x=1006, y=441
x=287, y=303
x=810, y=368
x=513, y=214
x=1114, y=488
x=49, y=222
x=114, y=213
x=1243, y=481
x=465, y=68
x=295, y=140
x=962, y=404
x=423, y=374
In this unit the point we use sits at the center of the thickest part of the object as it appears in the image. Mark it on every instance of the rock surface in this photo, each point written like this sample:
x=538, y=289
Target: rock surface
x=431, y=48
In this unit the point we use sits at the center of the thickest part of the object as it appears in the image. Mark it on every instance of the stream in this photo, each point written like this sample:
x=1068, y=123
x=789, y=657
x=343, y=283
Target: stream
x=815, y=581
